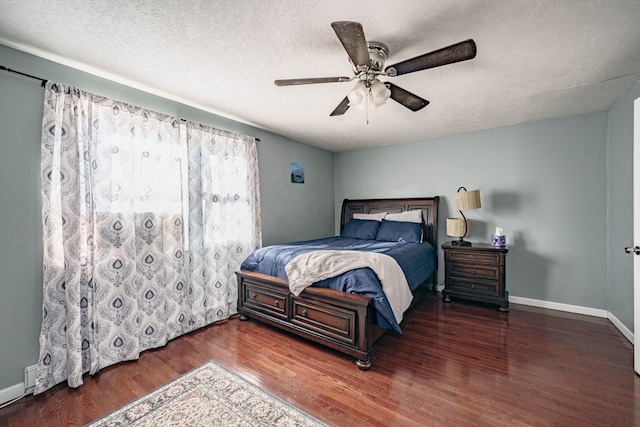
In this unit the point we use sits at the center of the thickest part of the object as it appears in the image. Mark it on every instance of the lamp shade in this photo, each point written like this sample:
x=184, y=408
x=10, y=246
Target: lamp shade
x=357, y=94
x=456, y=228
x=379, y=93
x=468, y=200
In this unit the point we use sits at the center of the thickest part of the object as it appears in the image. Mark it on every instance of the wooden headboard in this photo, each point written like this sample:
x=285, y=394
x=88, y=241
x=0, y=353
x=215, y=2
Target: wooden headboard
x=428, y=205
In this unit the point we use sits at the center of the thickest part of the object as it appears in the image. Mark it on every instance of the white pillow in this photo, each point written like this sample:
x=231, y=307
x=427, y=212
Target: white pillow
x=376, y=216
x=406, y=216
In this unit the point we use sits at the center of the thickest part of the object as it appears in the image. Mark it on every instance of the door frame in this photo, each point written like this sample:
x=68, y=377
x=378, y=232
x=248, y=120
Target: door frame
x=636, y=234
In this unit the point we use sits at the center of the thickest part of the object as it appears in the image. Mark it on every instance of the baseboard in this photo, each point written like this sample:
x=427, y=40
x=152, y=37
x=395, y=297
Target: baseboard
x=12, y=392
x=596, y=312
x=623, y=329
x=19, y=390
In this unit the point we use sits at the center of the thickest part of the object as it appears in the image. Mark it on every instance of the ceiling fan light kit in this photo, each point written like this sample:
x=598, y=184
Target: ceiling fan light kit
x=368, y=59
x=365, y=94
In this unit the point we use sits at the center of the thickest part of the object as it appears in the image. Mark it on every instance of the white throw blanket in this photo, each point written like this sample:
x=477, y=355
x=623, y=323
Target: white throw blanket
x=310, y=267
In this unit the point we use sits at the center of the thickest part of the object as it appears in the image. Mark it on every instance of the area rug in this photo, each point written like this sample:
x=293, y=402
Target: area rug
x=209, y=395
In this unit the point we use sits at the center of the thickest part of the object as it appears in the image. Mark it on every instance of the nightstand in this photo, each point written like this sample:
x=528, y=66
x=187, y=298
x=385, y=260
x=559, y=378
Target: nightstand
x=476, y=273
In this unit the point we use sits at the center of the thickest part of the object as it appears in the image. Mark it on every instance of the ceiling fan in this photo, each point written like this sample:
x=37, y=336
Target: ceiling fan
x=367, y=60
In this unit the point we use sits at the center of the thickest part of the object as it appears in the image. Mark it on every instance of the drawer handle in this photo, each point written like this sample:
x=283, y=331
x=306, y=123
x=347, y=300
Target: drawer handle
x=253, y=295
x=473, y=286
x=276, y=302
x=472, y=256
x=472, y=271
x=304, y=313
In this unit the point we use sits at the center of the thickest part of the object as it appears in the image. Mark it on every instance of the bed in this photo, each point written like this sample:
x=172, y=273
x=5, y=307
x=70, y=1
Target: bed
x=350, y=320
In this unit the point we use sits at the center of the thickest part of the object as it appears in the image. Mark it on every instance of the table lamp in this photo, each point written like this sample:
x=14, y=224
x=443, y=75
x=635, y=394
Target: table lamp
x=460, y=227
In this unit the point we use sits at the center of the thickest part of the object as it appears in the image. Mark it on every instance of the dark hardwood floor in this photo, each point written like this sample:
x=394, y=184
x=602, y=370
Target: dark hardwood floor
x=455, y=364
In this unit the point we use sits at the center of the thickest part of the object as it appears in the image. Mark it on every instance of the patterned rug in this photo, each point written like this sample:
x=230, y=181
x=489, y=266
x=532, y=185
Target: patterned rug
x=207, y=396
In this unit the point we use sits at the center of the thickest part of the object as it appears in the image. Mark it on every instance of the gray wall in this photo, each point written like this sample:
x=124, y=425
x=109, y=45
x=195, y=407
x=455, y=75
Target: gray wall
x=20, y=224
x=544, y=183
x=620, y=204
x=289, y=211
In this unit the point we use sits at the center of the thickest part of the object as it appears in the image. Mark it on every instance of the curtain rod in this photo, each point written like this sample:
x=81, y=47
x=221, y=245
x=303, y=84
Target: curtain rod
x=256, y=138
x=44, y=81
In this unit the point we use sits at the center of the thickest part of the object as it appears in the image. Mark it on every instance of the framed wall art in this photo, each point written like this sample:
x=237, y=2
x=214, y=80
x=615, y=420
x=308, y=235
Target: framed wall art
x=297, y=173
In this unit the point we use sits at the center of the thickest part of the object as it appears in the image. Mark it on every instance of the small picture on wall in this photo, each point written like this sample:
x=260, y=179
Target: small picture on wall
x=297, y=173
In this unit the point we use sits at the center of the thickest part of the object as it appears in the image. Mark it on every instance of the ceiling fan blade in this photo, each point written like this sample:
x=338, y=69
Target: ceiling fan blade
x=447, y=55
x=406, y=98
x=294, y=82
x=341, y=108
x=351, y=36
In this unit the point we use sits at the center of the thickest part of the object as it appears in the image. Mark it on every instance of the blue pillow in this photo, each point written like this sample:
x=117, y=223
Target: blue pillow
x=396, y=231
x=363, y=229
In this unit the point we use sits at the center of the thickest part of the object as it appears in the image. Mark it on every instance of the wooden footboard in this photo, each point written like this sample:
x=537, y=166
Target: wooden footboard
x=339, y=320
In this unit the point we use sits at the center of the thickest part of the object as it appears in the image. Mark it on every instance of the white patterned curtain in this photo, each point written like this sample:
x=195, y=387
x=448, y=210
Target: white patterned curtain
x=121, y=274
x=224, y=224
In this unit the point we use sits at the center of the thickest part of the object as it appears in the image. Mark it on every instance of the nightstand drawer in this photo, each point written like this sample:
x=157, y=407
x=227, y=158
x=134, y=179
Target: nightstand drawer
x=479, y=287
x=476, y=257
x=473, y=271
x=265, y=300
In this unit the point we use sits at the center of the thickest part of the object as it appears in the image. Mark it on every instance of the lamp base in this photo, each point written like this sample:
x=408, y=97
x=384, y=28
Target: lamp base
x=460, y=242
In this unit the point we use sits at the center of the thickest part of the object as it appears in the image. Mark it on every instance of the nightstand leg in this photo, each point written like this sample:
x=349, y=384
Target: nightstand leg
x=446, y=298
x=504, y=307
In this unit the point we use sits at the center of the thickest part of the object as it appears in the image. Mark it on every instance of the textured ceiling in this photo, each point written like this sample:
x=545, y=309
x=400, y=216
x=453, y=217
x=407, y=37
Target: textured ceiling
x=536, y=58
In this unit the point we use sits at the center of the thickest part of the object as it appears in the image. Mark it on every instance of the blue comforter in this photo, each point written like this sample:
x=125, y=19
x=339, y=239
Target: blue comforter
x=417, y=260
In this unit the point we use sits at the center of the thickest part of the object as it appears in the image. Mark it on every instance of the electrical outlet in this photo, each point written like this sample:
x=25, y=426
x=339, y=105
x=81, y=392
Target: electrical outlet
x=30, y=378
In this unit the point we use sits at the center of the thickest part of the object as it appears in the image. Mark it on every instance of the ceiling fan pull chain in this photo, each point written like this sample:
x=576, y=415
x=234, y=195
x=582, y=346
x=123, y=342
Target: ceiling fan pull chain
x=366, y=103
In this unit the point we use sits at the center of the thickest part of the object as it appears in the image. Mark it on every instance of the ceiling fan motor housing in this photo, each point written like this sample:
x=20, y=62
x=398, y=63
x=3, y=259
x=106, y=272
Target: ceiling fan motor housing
x=378, y=53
